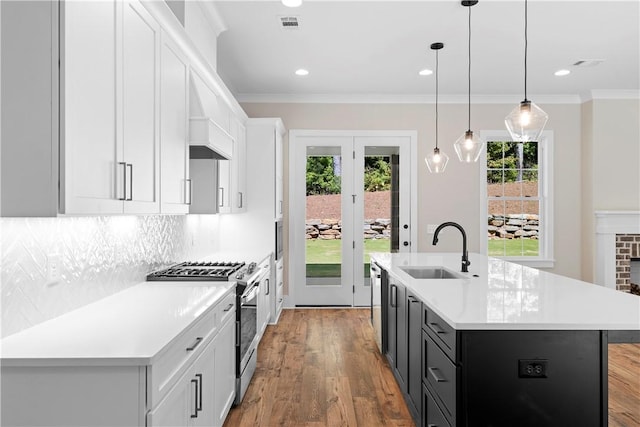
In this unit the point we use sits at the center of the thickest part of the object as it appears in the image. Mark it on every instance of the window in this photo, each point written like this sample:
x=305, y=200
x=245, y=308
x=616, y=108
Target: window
x=516, y=188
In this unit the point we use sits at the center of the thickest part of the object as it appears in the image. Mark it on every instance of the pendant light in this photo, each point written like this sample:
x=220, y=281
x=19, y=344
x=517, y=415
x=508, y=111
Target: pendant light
x=437, y=161
x=526, y=121
x=468, y=147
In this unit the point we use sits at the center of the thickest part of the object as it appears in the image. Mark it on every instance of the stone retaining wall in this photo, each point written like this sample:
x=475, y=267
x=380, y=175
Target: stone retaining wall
x=513, y=226
x=330, y=229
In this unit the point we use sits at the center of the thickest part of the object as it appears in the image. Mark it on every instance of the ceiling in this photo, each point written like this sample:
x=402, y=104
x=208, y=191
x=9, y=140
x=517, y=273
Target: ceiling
x=374, y=49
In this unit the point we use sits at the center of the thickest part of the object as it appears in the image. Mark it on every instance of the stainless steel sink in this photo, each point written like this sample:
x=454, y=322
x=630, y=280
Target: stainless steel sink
x=431, y=273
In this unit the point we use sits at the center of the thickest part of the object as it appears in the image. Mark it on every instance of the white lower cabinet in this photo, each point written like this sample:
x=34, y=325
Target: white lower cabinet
x=224, y=356
x=190, y=382
x=191, y=401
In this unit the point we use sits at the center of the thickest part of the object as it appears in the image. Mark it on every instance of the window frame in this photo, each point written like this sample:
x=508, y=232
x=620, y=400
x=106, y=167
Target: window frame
x=545, y=258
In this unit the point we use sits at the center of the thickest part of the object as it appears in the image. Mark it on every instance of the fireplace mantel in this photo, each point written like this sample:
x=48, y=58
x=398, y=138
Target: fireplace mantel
x=608, y=225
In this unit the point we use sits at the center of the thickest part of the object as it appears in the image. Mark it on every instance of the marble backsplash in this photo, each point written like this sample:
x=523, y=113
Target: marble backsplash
x=98, y=256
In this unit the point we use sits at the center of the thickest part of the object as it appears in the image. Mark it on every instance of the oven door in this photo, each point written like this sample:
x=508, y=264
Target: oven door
x=248, y=324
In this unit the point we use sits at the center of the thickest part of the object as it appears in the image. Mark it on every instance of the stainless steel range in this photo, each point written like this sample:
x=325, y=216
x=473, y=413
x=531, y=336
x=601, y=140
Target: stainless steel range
x=247, y=278
x=192, y=271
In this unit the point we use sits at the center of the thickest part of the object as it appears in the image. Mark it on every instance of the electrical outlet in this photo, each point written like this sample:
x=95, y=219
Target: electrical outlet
x=431, y=228
x=534, y=368
x=54, y=267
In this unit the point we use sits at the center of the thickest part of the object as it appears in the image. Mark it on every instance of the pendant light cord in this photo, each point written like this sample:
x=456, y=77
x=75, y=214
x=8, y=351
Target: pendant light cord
x=526, y=43
x=469, y=128
x=437, y=98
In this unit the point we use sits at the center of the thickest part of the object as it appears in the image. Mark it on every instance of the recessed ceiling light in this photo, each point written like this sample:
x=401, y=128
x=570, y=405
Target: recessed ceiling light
x=562, y=72
x=302, y=72
x=292, y=3
x=425, y=72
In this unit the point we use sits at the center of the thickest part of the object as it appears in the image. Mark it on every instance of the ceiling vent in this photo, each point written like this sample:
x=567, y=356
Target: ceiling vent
x=584, y=63
x=289, y=22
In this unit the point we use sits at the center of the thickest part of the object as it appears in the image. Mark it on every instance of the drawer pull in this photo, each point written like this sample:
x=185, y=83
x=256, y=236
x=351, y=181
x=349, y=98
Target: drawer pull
x=195, y=398
x=195, y=344
x=436, y=376
x=436, y=328
x=229, y=307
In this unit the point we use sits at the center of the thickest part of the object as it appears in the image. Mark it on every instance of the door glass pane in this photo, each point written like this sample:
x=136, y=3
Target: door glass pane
x=380, y=218
x=324, y=217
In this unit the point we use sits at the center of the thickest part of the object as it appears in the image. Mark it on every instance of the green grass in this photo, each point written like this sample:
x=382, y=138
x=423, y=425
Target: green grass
x=513, y=247
x=324, y=257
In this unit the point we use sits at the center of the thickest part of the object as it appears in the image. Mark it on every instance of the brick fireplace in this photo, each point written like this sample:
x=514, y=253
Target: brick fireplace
x=627, y=252
x=617, y=244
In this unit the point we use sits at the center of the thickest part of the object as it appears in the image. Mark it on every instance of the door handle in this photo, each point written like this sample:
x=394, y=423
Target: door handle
x=188, y=192
x=394, y=291
x=221, y=194
x=240, y=200
x=437, y=328
x=130, y=166
x=194, y=414
x=405, y=243
x=199, y=400
x=124, y=181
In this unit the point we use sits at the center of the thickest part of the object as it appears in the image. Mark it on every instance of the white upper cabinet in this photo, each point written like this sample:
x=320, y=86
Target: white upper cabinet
x=89, y=155
x=109, y=111
x=96, y=110
x=175, y=184
x=239, y=167
x=140, y=116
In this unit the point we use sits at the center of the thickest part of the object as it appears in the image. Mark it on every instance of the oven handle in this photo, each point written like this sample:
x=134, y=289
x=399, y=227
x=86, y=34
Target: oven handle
x=247, y=296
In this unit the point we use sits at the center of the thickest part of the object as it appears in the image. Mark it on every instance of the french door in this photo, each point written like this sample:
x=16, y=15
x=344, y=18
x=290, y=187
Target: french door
x=336, y=215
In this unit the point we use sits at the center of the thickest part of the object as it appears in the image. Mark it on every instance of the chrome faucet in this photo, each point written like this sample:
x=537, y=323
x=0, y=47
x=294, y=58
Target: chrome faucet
x=465, y=255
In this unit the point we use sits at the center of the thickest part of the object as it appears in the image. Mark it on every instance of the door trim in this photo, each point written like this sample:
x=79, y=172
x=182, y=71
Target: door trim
x=294, y=147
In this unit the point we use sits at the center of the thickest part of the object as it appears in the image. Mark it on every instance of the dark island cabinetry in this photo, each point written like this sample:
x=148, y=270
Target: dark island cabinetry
x=488, y=377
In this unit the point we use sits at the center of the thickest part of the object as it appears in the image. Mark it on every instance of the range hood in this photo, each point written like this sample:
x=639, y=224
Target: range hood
x=208, y=122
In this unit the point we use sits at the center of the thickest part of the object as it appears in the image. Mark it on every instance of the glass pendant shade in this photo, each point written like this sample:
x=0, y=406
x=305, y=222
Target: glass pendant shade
x=436, y=161
x=526, y=122
x=468, y=147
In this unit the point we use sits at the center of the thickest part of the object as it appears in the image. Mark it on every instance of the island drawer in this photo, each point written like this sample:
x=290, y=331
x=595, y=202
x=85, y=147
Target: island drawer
x=440, y=376
x=433, y=416
x=440, y=331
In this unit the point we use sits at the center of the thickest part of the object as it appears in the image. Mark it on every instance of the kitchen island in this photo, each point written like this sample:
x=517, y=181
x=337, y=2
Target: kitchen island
x=501, y=345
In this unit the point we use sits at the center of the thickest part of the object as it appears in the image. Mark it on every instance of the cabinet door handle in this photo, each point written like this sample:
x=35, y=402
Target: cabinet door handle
x=280, y=206
x=240, y=200
x=195, y=344
x=268, y=286
x=194, y=414
x=221, y=194
x=130, y=166
x=394, y=292
x=124, y=181
x=199, y=396
x=229, y=307
x=436, y=376
x=436, y=328
x=413, y=299
x=188, y=191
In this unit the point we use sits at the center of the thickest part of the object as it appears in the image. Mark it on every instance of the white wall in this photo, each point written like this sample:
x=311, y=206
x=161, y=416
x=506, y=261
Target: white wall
x=611, y=165
x=455, y=195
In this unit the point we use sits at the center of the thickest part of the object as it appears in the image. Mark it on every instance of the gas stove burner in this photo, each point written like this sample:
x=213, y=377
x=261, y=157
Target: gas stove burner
x=201, y=270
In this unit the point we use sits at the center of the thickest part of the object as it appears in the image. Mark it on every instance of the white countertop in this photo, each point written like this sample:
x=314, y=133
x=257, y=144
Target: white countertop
x=130, y=327
x=512, y=296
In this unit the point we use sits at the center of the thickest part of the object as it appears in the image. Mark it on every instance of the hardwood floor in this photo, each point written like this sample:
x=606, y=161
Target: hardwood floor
x=322, y=368
x=624, y=385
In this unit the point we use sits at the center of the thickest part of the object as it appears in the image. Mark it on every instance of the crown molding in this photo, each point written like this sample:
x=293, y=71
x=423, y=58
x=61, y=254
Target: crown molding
x=268, y=98
x=610, y=94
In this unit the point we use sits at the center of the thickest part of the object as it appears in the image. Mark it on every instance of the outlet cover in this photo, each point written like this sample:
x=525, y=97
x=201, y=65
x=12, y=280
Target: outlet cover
x=54, y=267
x=532, y=368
